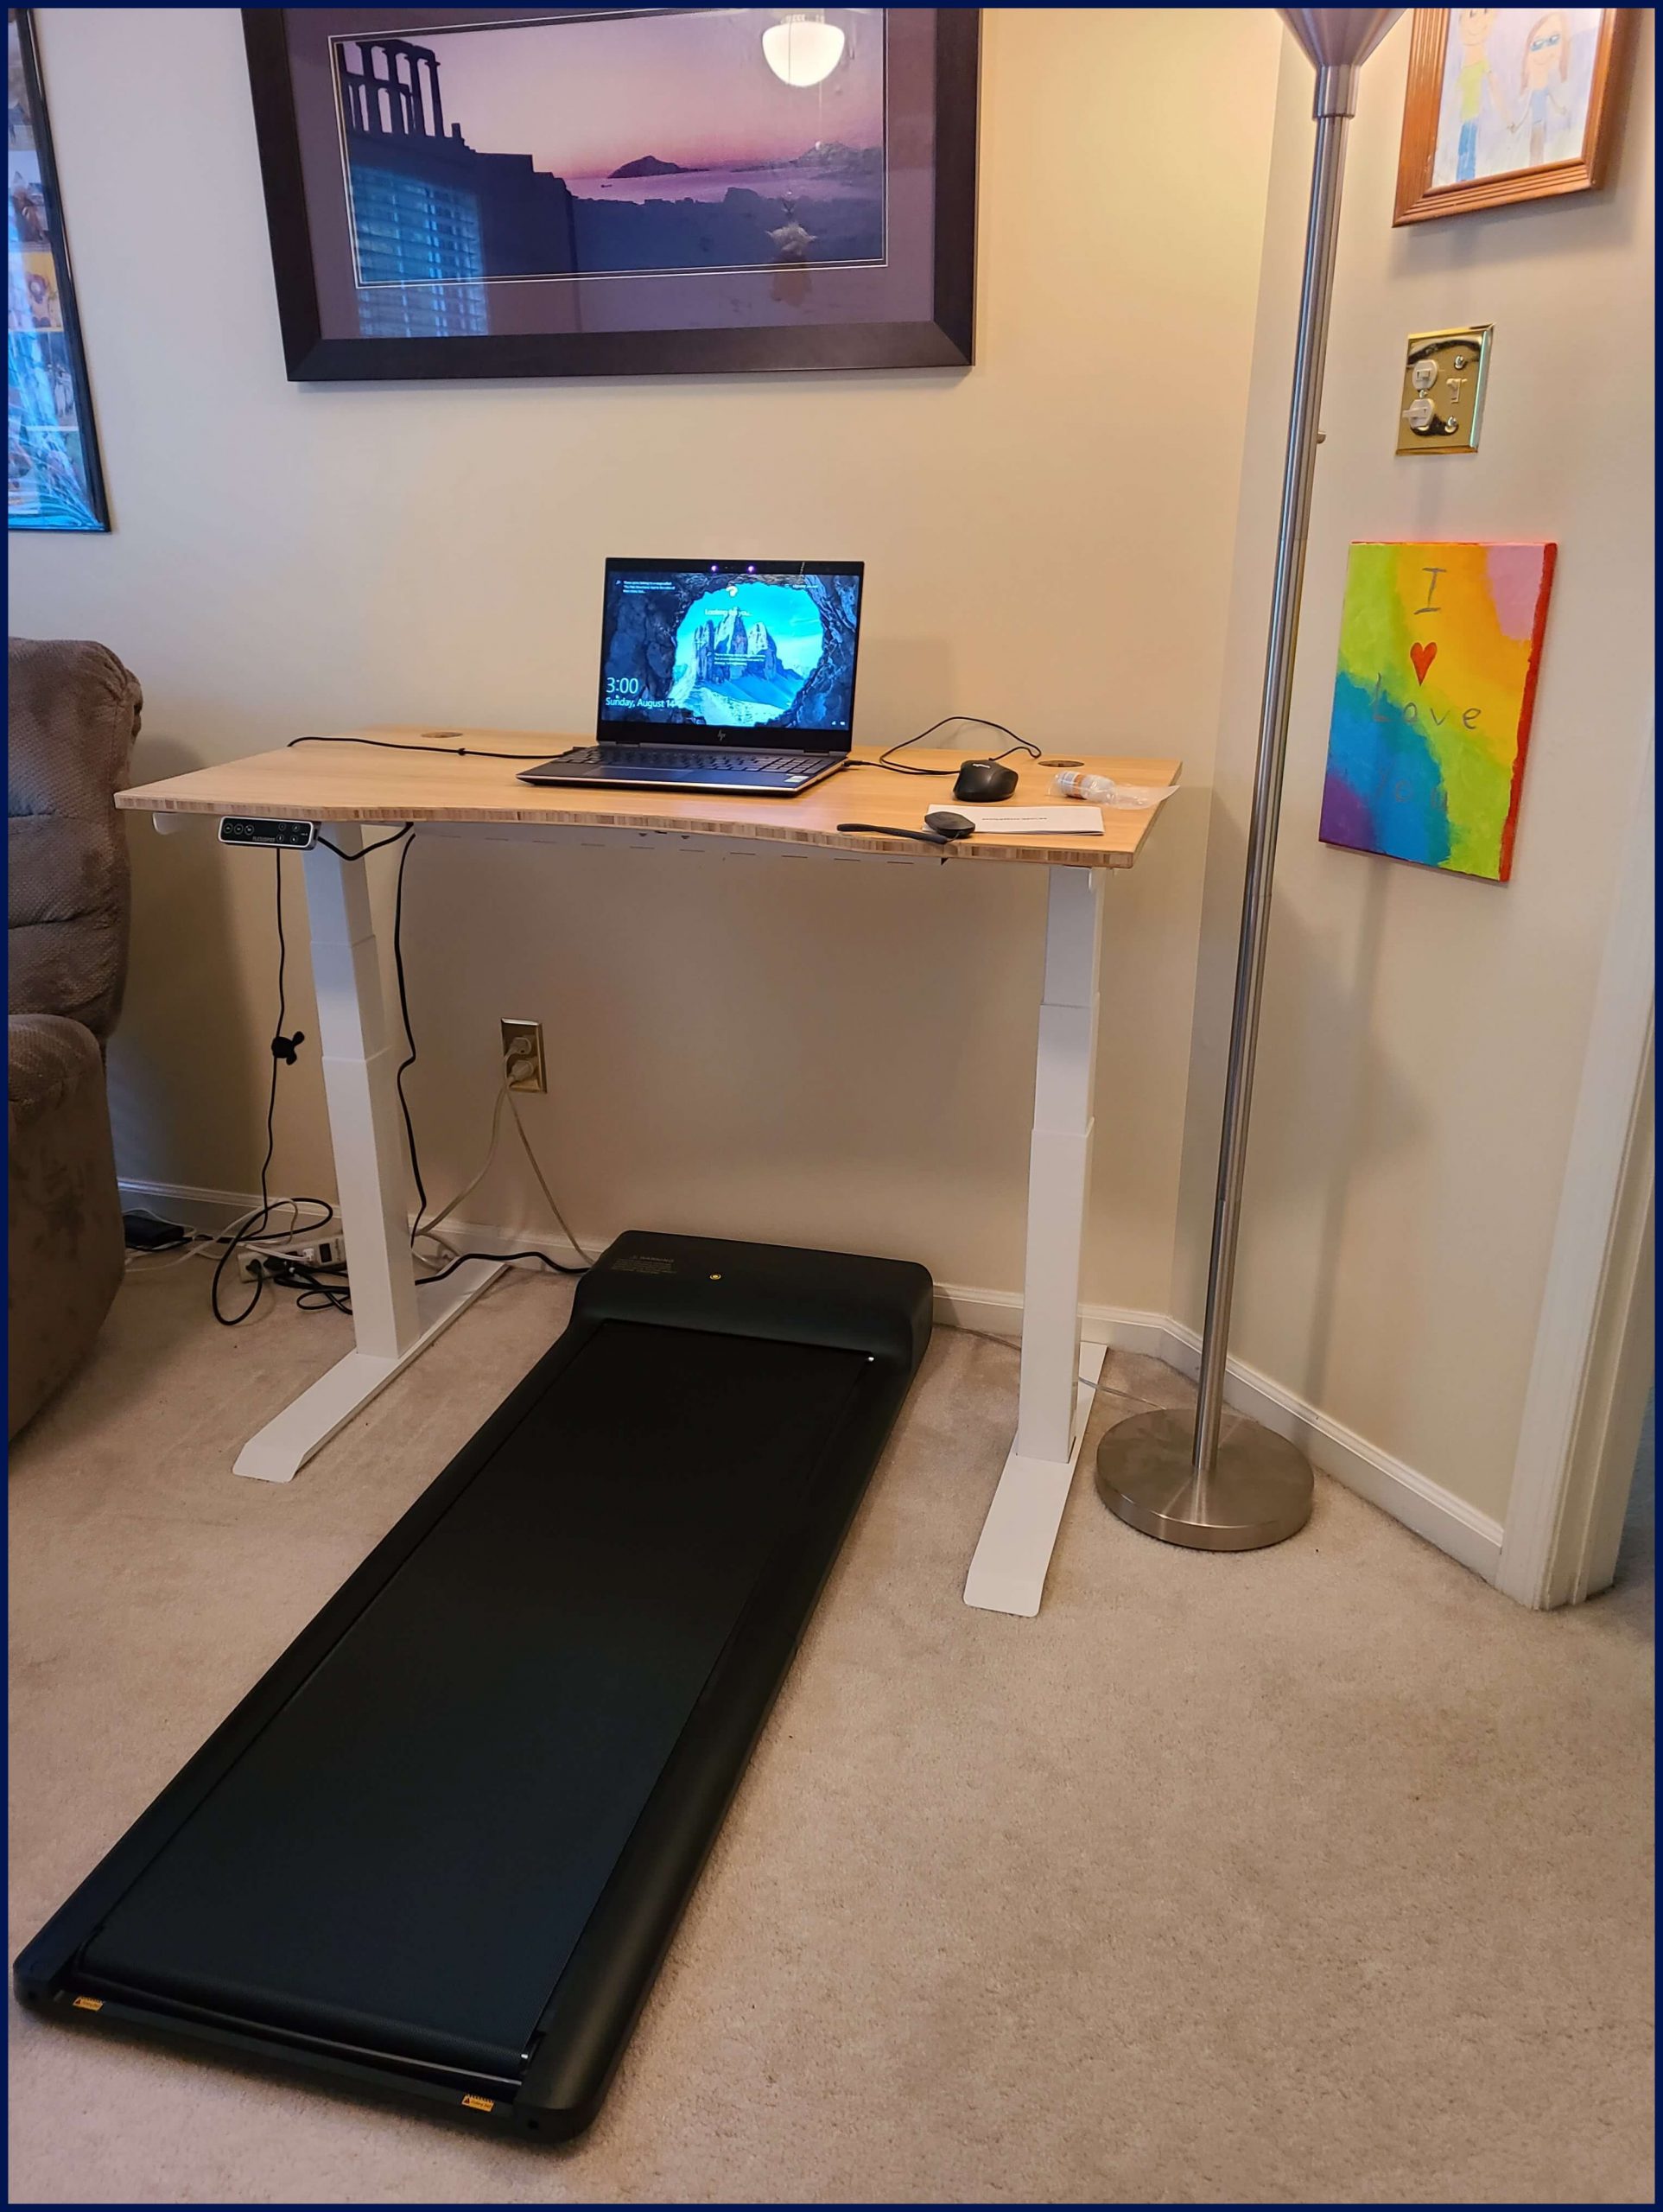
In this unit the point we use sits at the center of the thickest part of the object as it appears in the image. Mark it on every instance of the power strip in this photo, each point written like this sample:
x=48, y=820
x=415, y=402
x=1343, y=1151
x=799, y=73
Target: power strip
x=324, y=1252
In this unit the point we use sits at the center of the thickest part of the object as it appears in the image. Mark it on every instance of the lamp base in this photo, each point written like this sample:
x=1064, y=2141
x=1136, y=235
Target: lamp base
x=1259, y=1493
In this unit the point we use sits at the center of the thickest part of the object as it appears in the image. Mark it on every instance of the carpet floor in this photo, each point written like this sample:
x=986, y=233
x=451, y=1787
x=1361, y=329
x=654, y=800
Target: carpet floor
x=1315, y=1875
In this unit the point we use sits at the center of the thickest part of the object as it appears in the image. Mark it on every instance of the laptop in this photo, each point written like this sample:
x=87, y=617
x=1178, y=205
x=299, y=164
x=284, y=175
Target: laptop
x=721, y=676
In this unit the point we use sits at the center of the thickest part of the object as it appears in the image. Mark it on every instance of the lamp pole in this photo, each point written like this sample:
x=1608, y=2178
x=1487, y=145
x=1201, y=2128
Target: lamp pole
x=1185, y=1484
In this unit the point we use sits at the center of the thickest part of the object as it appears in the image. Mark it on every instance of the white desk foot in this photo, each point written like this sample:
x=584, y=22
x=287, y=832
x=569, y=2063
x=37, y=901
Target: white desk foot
x=1007, y=1574
x=283, y=1446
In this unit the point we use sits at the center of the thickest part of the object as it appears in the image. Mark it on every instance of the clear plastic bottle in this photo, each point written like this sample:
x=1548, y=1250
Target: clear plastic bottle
x=1075, y=783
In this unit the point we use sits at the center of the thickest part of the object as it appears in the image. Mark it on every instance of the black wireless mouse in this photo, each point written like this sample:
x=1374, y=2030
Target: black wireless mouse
x=948, y=825
x=984, y=780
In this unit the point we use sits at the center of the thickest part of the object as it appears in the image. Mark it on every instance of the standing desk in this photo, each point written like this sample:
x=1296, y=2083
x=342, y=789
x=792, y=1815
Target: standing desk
x=357, y=793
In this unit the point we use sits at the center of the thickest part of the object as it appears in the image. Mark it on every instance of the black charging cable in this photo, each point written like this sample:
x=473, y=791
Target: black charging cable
x=282, y=1268
x=283, y=1052
x=886, y=759
x=398, y=745
x=379, y=846
x=944, y=836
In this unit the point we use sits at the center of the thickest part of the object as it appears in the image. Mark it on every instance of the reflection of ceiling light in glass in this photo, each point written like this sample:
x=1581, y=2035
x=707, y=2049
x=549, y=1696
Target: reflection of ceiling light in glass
x=803, y=49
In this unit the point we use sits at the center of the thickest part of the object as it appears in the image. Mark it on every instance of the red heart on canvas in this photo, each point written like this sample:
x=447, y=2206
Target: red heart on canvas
x=1423, y=657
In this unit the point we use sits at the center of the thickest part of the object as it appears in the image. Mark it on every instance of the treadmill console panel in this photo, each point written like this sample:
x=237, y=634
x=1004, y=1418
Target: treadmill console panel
x=879, y=1307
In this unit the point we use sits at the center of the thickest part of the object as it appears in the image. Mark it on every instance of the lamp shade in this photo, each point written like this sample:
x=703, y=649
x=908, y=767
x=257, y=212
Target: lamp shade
x=1338, y=41
x=803, y=49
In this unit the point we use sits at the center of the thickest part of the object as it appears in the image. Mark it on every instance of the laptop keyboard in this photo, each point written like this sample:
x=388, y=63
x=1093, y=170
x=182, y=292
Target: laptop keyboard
x=681, y=756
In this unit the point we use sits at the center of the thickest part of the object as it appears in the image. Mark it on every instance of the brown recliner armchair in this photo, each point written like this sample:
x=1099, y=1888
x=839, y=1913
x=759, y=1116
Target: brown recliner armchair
x=73, y=714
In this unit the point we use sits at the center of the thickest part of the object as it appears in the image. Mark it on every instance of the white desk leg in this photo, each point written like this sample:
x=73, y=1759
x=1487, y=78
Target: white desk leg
x=1059, y=1372
x=392, y=1319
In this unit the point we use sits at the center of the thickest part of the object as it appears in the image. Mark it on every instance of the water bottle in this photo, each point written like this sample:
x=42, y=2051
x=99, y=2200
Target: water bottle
x=1075, y=783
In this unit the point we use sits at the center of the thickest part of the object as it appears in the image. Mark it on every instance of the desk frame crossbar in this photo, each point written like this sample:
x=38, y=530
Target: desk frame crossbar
x=394, y=1317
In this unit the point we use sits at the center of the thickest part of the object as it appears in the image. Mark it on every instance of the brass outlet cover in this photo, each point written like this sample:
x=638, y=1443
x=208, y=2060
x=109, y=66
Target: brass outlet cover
x=523, y=1065
x=1443, y=374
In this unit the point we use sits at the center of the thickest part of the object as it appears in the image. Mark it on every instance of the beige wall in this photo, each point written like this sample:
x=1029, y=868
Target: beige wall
x=760, y=1048
x=1422, y=1035
x=789, y=1051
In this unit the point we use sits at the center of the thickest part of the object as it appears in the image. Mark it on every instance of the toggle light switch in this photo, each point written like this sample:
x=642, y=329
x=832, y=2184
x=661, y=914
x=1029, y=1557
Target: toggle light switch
x=1443, y=390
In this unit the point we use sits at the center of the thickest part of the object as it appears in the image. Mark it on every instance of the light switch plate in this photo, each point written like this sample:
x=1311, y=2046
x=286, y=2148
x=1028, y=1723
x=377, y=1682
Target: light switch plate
x=1443, y=374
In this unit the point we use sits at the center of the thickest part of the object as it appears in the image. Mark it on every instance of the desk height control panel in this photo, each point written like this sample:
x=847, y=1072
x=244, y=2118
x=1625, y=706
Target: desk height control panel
x=288, y=836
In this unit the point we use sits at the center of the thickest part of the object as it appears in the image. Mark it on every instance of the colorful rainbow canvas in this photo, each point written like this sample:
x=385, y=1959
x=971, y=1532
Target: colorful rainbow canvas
x=1438, y=651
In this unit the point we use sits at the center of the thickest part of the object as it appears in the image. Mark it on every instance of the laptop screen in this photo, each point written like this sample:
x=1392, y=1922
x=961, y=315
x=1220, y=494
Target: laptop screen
x=739, y=652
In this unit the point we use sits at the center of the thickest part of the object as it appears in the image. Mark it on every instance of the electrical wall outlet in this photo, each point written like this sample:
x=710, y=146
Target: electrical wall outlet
x=523, y=1055
x=1443, y=398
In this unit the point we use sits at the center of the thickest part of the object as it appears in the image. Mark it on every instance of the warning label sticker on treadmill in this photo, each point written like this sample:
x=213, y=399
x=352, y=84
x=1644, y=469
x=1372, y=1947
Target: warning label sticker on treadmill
x=481, y=2104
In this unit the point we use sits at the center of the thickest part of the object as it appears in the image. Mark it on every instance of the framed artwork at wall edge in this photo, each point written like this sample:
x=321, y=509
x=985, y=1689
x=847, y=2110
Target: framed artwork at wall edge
x=1508, y=104
x=573, y=192
x=1439, y=649
x=53, y=480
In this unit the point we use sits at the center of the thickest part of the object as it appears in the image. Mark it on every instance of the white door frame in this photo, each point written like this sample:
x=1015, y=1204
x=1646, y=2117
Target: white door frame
x=1585, y=1399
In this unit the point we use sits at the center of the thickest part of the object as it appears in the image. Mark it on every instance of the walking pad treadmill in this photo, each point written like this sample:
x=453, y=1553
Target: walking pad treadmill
x=441, y=1848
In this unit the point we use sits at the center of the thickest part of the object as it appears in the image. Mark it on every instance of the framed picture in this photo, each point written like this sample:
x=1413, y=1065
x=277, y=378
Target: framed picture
x=1508, y=104
x=528, y=192
x=53, y=478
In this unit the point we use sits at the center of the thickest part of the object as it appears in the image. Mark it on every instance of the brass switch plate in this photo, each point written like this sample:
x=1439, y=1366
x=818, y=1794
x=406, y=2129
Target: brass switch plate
x=1443, y=390
x=522, y=1068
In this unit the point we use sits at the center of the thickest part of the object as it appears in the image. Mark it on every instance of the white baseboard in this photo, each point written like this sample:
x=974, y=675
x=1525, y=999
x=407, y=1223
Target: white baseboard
x=998, y=1314
x=1409, y=1497
x=184, y=1203
x=195, y=1207
x=1398, y=1488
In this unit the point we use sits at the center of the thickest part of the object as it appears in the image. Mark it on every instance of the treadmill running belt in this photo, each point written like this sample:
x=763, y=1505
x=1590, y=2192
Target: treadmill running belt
x=407, y=1856
x=441, y=1845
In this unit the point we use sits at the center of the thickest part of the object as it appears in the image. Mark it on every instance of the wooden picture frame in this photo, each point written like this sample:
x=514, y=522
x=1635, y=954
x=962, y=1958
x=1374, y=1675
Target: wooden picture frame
x=308, y=68
x=1522, y=95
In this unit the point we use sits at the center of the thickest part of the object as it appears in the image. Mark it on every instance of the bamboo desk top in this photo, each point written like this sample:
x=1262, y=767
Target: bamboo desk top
x=353, y=783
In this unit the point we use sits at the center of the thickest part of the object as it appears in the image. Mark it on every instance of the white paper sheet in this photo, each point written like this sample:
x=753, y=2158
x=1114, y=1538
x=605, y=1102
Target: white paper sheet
x=1071, y=820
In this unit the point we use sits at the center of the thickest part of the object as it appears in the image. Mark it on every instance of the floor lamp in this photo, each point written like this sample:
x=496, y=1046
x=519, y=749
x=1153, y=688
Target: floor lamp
x=1172, y=1480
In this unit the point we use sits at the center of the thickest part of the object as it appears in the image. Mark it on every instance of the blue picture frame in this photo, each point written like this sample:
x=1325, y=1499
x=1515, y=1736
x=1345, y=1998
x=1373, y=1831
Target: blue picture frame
x=55, y=480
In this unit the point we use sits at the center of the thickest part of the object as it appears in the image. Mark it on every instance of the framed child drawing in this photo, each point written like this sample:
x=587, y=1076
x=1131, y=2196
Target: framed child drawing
x=1508, y=104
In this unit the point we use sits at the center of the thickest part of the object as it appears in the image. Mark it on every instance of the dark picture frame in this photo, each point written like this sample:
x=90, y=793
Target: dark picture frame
x=316, y=235
x=54, y=477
